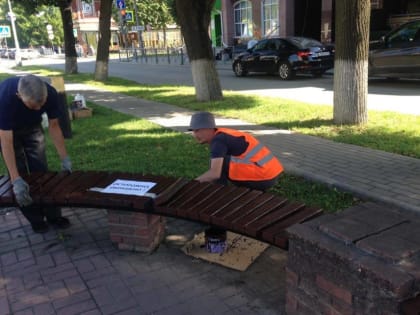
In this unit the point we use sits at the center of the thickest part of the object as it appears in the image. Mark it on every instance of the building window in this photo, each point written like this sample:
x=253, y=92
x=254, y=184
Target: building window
x=376, y=4
x=271, y=17
x=243, y=19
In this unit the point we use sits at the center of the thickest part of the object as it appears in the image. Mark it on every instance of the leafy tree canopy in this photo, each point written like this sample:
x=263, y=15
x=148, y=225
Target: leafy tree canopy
x=31, y=27
x=155, y=13
x=33, y=6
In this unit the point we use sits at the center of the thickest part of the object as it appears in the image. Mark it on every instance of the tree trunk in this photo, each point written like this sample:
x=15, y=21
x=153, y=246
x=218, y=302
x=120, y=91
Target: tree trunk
x=351, y=61
x=102, y=55
x=194, y=19
x=69, y=41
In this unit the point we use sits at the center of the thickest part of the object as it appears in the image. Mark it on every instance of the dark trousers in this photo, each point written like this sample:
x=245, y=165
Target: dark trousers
x=262, y=185
x=29, y=145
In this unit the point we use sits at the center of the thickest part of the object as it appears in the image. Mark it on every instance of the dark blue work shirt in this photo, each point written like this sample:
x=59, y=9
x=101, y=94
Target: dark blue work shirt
x=223, y=145
x=14, y=114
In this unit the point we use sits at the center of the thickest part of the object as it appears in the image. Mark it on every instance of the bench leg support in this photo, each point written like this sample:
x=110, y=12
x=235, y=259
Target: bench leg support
x=133, y=231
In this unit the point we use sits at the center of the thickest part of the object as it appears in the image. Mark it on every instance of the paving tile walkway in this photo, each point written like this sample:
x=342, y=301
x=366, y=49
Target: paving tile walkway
x=78, y=271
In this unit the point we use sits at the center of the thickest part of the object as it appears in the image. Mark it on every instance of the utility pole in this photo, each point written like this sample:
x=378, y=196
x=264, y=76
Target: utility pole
x=139, y=31
x=123, y=28
x=12, y=17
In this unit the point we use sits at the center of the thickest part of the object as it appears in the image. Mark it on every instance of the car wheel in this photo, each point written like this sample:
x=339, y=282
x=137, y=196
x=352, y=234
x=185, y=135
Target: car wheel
x=285, y=71
x=239, y=69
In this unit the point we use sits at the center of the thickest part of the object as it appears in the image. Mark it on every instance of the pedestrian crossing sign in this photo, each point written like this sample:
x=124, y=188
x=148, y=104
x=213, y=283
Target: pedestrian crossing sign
x=5, y=31
x=129, y=16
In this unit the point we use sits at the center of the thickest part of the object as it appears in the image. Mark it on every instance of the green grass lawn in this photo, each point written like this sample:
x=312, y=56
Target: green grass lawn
x=115, y=141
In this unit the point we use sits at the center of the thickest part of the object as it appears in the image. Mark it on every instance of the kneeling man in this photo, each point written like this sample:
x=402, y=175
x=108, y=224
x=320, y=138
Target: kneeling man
x=235, y=156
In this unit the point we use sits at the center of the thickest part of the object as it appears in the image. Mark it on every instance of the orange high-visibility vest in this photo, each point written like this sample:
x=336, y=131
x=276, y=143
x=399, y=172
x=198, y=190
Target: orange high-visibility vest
x=256, y=163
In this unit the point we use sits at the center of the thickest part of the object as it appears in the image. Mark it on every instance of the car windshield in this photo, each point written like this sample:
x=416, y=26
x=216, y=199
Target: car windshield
x=407, y=33
x=261, y=45
x=303, y=42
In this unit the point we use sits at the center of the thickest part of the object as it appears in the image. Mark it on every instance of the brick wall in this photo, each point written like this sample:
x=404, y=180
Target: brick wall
x=136, y=231
x=364, y=260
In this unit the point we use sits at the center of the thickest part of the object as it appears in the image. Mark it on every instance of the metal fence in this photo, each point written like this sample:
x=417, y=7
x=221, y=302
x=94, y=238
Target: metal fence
x=154, y=55
x=176, y=56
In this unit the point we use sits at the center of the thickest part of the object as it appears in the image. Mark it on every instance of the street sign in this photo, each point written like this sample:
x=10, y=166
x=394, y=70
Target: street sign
x=138, y=28
x=120, y=4
x=11, y=16
x=5, y=31
x=129, y=16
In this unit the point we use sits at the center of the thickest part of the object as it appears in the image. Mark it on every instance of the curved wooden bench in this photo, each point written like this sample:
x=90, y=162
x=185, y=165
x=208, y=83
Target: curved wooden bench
x=262, y=216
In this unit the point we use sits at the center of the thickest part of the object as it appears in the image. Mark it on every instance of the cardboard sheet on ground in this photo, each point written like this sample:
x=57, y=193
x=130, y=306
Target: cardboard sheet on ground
x=240, y=252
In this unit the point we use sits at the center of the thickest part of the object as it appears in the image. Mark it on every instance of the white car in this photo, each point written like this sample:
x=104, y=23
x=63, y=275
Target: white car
x=29, y=53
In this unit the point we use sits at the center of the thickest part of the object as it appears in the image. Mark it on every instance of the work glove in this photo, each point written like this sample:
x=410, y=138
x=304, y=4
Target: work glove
x=21, y=191
x=66, y=164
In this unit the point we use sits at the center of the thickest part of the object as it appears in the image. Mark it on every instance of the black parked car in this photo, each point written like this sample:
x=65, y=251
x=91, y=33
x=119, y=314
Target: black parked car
x=397, y=54
x=285, y=56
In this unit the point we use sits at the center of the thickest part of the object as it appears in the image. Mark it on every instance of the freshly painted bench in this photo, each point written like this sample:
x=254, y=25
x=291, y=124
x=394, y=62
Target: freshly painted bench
x=137, y=222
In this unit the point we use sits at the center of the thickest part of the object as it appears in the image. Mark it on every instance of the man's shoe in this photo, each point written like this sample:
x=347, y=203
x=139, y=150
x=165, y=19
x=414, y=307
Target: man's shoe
x=40, y=227
x=61, y=222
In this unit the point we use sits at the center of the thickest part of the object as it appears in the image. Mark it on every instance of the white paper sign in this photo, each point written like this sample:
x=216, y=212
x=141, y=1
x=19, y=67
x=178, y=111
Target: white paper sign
x=128, y=187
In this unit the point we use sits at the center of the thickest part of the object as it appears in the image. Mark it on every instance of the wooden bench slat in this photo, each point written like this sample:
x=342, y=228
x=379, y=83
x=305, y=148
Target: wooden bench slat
x=193, y=213
x=239, y=224
x=198, y=199
x=46, y=190
x=250, y=207
x=59, y=187
x=36, y=177
x=277, y=230
x=183, y=193
x=223, y=203
x=169, y=192
x=278, y=214
x=192, y=193
x=235, y=208
x=219, y=200
x=201, y=200
x=66, y=190
x=75, y=180
x=37, y=181
x=112, y=201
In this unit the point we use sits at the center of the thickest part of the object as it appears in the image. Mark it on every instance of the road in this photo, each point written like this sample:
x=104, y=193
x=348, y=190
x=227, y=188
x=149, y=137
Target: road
x=398, y=96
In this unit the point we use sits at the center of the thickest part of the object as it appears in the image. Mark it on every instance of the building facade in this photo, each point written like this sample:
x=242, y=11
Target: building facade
x=85, y=16
x=235, y=22
x=243, y=20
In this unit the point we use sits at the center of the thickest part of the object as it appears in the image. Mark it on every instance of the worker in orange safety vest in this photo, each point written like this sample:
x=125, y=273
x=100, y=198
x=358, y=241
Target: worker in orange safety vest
x=235, y=156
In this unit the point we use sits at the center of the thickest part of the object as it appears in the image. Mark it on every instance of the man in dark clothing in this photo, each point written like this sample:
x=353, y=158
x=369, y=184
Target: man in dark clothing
x=23, y=100
x=236, y=156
